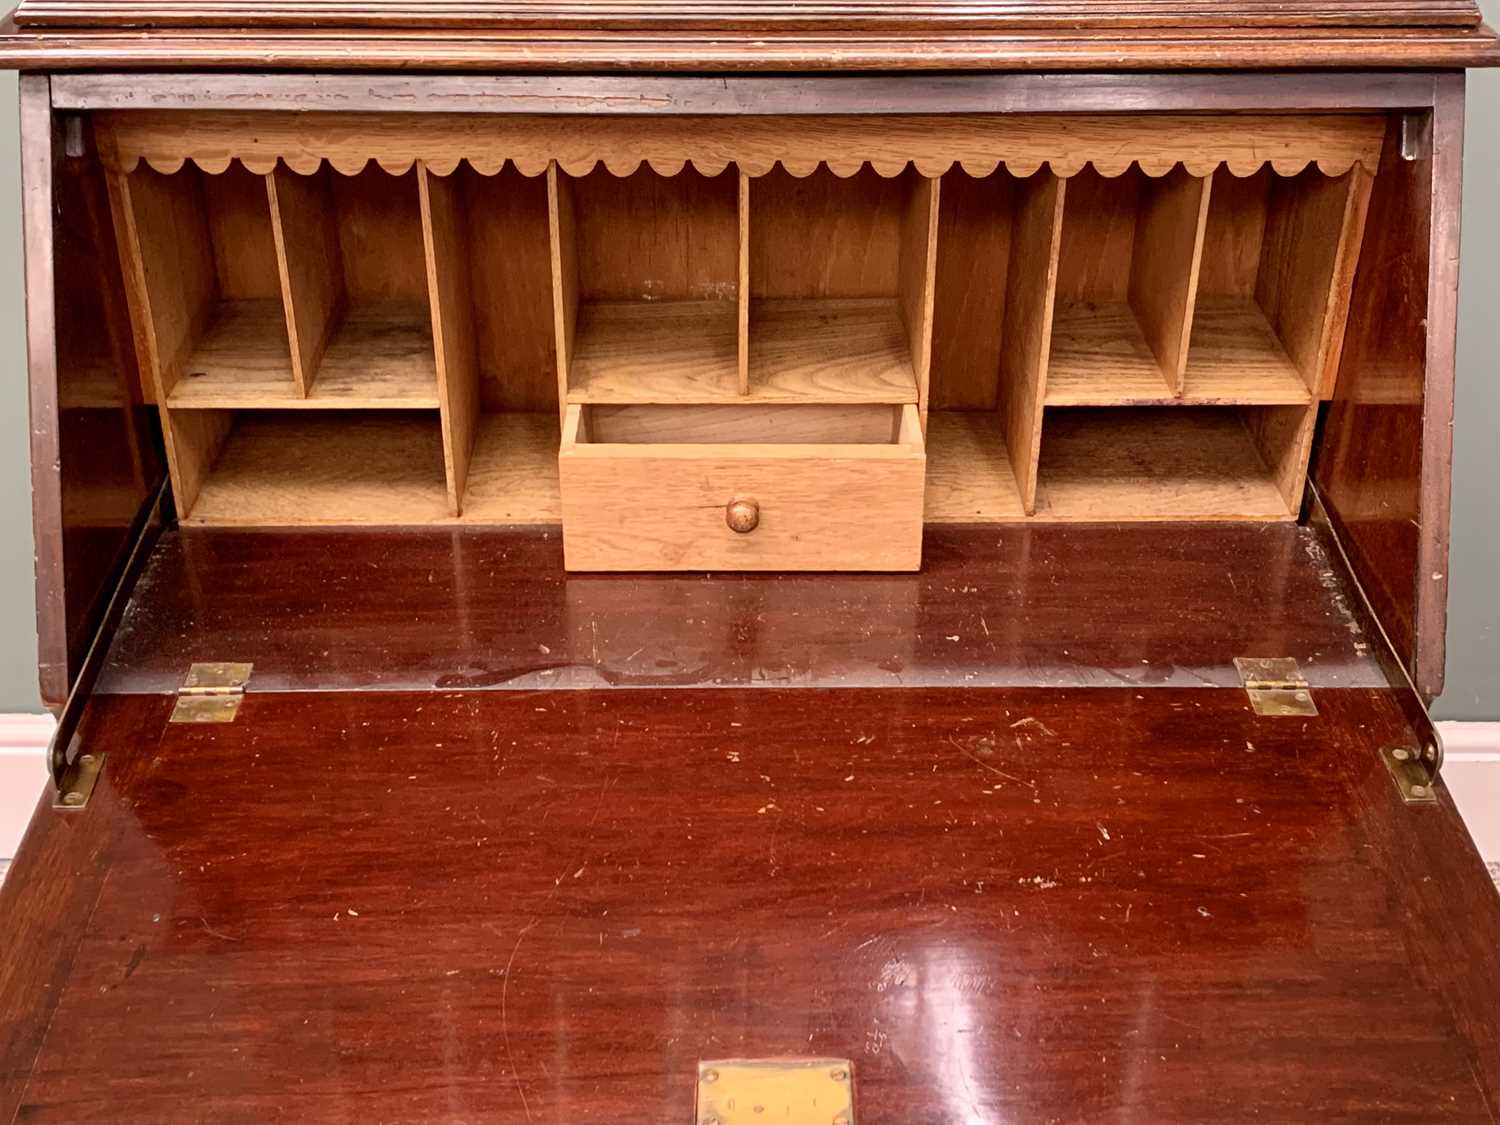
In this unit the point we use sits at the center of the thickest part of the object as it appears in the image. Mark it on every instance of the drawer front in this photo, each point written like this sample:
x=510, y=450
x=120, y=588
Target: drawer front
x=797, y=507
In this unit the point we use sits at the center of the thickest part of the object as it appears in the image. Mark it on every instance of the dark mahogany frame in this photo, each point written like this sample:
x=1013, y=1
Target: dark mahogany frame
x=1403, y=320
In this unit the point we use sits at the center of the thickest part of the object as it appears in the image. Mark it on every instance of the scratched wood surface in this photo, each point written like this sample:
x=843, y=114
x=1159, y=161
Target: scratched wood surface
x=1066, y=605
x=1006, y=905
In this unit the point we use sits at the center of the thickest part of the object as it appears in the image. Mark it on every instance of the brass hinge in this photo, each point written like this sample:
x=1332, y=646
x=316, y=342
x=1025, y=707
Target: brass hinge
x=1276, y=686
x=789, y=1091
x=212, y=693
x=78, y=783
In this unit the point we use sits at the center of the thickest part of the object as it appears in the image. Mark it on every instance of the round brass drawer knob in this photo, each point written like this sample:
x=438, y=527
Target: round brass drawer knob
x=742, y=516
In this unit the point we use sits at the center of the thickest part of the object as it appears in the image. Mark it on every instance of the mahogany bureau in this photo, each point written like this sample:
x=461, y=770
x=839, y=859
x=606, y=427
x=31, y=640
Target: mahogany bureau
x=818, y=562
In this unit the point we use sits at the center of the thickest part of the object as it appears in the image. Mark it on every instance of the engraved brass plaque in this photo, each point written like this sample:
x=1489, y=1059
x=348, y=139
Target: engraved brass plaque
x=786, y=1091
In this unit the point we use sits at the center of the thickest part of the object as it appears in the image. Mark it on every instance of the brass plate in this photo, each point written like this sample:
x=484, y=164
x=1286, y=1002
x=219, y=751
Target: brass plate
x=78, y=784
x=785, y=1091
x=217, y=677
x=1276, y=687
x=207, y=708
x=1412, y=776
x=1282, y=702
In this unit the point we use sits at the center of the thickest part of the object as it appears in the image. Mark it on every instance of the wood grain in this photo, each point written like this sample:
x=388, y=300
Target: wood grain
x=1173, y=463
x=1236, y=358
x=197, y=442
x=660, y=238
x=1308, y=222
x=590, y=51
x=510, y=278
x=310, y=266
x=1283, y=436
x=318, y=469
x=239, y=221
x=822, y=507
x=969, y=473
x=380, y=237
x=841, y=15
x=973, y=262
x=513, y=472
x=1163, y=287
x=656, y=351
x=846, y=234
x=1100, y=357
x=756, y=144
x=831, y=350
x=240, y=360
x=452, y=303
x=1026, y=341
x=742, y=289
x=916, y=280
x=780, y=425
x=563, y=248
x=1332, y=883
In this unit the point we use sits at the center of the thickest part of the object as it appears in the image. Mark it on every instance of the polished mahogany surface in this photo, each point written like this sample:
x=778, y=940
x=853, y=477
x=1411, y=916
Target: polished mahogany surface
x=1068, y=606
x=1050, y=905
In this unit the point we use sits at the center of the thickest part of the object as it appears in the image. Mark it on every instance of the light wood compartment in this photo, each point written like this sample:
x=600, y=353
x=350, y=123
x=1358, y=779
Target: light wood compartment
x=840, y=275
x=647, y=269
x=835, y=486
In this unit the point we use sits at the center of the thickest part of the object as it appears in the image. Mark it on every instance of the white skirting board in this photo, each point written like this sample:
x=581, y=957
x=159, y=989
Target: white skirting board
x=1472, y=772
x=23, y=773
x=1471, y=768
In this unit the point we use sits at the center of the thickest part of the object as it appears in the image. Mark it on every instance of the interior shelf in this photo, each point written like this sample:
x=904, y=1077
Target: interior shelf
x=356, y=469
x=969, y=474
x=655, y=352
x=1235, y=357
x=1100, y=358
x=242, y=359
x=513, y=472
x=1182, y=463
x=380, y=358
x=830, y=349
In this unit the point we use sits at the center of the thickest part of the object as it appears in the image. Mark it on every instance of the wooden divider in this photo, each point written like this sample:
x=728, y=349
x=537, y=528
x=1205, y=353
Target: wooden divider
x=916, y=280
x=1026, y=339
x=452, y=326
x=564, y=248
x=1075, y=348
x=1164, y=268
x=312, y=277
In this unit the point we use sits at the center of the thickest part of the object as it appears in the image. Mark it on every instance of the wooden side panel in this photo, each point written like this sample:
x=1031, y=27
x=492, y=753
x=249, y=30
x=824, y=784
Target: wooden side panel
x=1384, y=466
x=826, y=236
x=239, y=219
x=170, y=268
x=1164, y=268
x=310, y=265
x=1027, y=336
x=1234, y=234
x=380, y=237
x=452, y=326
x=94, y=465
x=917, y=278
x=510, y=264
x=657, y=238
x=742, y=289
x=564, y=247
x=1283, y=436
x=1309, y=223
x=973, y=260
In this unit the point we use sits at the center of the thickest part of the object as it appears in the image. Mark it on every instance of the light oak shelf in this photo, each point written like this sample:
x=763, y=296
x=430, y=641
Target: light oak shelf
x=830, y=349
x=379, y=359
x=1173, y=463
x=655, y=352
x=276, y=469
x=1235, y=357
x=969, y=475
x=378, y=349
x=1100, y=358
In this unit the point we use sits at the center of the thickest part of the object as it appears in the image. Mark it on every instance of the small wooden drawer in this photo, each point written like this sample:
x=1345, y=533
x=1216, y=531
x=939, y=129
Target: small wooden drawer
x=742, y=487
